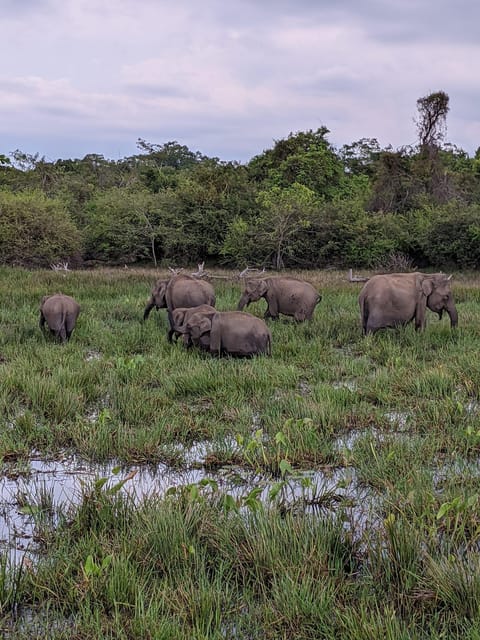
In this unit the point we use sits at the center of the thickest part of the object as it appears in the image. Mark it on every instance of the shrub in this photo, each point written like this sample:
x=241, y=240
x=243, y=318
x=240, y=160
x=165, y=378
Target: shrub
x=36, y=230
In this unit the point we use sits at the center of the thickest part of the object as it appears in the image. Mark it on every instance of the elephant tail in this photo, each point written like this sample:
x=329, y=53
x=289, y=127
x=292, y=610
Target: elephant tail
x=268, y=350
x=364, y=313
x=62, y=332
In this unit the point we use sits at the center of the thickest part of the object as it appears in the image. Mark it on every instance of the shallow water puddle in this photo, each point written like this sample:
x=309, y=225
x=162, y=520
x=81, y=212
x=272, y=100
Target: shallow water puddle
x=48, y=489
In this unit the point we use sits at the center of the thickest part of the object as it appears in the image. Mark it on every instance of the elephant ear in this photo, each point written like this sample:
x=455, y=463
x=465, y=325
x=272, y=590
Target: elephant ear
x=198, y=329
x=158, y=293
x=205, y=325
x=427, y=286
x=178, y=317
x=257, y=287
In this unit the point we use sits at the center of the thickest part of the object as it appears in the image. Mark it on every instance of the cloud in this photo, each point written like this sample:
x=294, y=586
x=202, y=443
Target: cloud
x=229, y=78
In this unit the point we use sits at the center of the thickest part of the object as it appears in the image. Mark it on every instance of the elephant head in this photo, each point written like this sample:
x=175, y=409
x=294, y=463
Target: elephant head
x=196, y=328
x=254, y=290
x=440, y=297
x=157, y=299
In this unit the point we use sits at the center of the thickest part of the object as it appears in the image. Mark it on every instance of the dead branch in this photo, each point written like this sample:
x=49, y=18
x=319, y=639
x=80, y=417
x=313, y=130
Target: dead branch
x=352, y=278
x=61, y=266
x=200, y=273
x=248, y=270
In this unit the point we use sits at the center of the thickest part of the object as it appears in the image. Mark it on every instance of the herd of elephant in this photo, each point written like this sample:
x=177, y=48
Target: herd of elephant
x=387, y=300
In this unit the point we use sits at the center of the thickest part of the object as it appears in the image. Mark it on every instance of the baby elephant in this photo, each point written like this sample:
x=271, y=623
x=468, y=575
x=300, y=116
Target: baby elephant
x=60, y=312
x=182, y=315
x=228, y=332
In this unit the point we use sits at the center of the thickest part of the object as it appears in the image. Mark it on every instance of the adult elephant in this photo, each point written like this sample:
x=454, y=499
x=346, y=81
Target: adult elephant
x=60, y=312
x=396, y=299
x=289, y=296
x=228, y=332
x=179, y=291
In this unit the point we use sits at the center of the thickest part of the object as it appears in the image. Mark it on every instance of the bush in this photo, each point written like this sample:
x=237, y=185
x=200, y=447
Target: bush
x=36, y=230
x=447, y=236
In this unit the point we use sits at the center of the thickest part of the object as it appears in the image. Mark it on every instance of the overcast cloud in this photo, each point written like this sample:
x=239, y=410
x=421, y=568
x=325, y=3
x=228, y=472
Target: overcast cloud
x=228, y=78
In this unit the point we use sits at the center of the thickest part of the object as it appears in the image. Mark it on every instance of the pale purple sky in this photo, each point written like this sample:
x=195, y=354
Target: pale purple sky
x=229, y=77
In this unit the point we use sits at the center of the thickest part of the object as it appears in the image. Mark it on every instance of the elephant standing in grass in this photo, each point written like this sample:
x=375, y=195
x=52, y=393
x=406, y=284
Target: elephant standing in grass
x=396, y=299
x=289, y=296
x=60, y=312
x=228, y=332
x=179, y=291
x=182, y=315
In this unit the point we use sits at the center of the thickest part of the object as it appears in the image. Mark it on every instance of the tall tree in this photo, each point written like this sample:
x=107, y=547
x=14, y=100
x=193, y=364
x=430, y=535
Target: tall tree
x=432, y=118
x=432, y=127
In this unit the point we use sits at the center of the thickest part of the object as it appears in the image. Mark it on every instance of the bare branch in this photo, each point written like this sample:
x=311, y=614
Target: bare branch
x=248, y=270
x=61, y=266
x=352, y=278
x=200, y=273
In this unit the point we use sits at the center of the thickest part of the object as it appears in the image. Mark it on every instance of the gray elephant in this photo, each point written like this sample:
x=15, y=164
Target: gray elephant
x=60, y=312
x=396, y=299
x=229, y=332
x=289, y=296
x=179, y=291
x=182, y=315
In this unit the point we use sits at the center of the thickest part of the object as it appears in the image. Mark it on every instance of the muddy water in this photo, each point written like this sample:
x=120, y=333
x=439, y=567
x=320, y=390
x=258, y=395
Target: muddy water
x=53, y=487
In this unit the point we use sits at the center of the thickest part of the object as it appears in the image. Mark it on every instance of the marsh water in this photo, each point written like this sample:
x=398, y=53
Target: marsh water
x=51, y=488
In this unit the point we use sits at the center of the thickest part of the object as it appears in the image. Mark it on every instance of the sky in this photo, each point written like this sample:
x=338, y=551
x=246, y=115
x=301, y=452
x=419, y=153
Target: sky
x=228, y=78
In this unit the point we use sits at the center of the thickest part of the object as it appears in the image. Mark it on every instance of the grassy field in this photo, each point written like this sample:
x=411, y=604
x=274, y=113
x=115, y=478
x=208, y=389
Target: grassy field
x=399, y=410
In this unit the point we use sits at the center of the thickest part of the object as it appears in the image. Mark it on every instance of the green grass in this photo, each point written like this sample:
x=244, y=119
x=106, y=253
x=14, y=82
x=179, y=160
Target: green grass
x=203, y=564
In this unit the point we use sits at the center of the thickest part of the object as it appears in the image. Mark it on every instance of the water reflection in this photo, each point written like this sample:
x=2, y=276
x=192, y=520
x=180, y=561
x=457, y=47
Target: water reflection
x=51, y=487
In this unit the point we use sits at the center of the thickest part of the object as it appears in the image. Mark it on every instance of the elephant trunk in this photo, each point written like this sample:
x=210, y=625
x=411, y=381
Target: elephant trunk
x=452, y=312
x=148, y=308
x=244, y=300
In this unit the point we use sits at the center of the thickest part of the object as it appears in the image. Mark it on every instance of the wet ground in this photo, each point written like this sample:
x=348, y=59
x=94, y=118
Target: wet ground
x=54, y=487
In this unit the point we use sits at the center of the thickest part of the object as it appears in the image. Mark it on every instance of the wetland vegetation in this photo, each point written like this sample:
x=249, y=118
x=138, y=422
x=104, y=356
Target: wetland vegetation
x=336, y=495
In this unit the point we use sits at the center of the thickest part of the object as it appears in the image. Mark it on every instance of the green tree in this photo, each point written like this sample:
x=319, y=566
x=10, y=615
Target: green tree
x=285, y=214
x=305, y=158
x=121, y=226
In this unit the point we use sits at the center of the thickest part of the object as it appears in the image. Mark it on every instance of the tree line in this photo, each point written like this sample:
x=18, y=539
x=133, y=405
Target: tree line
x=302, y=203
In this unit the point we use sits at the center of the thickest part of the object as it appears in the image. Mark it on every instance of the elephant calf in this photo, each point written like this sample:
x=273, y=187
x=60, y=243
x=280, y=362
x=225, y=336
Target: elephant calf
x=60, y=312
x=182, y=315
x=228, y=332
x=396, y=299
x=289, y=296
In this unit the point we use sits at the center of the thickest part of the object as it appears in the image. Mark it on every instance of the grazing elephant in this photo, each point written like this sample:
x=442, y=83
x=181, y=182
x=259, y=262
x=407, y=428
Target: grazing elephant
x=60, y=312
x=289, y=296
x=229, y=332
x=179, y=291
x=396, y=299
x=182, y=315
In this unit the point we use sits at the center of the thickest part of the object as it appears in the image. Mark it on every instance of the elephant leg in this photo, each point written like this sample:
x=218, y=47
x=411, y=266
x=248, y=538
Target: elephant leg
x=272, y=309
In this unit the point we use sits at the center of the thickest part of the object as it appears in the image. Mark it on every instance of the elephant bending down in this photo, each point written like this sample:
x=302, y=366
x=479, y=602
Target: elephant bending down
x=228, y=332
x=182, y=315
x=289, y=296
x=179, y=291
x=396, y=299
x=60, y=312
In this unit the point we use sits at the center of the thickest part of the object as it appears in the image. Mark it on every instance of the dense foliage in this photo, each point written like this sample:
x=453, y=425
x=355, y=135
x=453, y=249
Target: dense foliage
x=302, y=203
